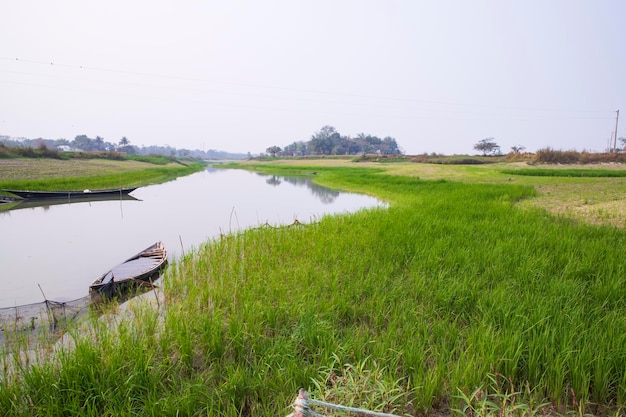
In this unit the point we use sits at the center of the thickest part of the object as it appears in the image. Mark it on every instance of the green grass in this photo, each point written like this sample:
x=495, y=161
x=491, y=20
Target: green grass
x=452, y=298
x=101, y=179
x=152, y=159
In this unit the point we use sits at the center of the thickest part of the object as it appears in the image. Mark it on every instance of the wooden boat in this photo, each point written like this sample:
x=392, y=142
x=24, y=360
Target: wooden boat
x=69, y=195
x=135, y=272
x=23, y=203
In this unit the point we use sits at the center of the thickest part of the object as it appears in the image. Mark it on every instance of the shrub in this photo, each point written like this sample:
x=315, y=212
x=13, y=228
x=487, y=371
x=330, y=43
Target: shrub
x=552, y=156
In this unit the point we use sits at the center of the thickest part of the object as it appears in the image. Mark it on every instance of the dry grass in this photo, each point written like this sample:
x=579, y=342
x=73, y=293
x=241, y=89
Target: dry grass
x=33, y=169
x=601, y=201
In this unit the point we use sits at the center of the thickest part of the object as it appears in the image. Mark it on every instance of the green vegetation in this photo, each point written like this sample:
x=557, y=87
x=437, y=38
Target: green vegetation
x=152, y=159
x=454, y=297
x=491, y=155
x=327, y=141
x=29, y=152
x=43, y=152
x=97, y=173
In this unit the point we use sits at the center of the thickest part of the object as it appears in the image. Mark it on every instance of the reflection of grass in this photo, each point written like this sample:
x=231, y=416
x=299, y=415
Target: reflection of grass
x=598, y=200
x=411, y=308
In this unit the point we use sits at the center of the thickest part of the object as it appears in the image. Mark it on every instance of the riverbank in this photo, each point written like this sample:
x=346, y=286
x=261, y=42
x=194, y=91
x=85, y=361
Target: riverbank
x=589, y=199
x=455, y=296
x=79, y=174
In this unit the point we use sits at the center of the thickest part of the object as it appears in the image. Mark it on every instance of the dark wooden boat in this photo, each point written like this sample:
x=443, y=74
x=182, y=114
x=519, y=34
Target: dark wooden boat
x=69, y=195
x=23, y=203
x=135, y=272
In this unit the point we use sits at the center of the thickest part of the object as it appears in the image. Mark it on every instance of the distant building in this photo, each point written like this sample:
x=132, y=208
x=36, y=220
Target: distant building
x=66, y=148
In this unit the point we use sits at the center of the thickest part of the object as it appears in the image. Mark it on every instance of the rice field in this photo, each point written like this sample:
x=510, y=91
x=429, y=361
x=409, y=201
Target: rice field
x=460, y=298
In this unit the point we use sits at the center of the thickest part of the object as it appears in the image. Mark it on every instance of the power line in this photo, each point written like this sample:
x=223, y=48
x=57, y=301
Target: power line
x=301, y=90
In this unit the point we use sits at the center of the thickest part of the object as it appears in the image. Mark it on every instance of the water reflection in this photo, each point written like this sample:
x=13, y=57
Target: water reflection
x=65, y=246
x=46, y=204
x=273, y=180
x=325, y=195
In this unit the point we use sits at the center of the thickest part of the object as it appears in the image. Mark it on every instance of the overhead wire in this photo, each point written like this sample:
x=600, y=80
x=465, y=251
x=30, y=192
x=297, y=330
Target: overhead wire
x=473, y=107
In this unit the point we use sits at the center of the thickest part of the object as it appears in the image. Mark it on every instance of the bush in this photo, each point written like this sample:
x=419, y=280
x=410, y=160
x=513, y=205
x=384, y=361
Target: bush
x=551, y=156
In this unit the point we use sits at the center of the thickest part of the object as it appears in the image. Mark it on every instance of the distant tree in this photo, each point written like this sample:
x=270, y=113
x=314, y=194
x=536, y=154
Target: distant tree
x=295, y=149
x=623, y=142
x=273, y=150
x=125, y=146
x=487, y=146
x=369, y=143
x=327, y=141
x=41, y=144
x=83, y=142
x=324, y=141
x=61, y=142
x=98, y=144
x=351, y=146
x=389, y=146
x=517, y=148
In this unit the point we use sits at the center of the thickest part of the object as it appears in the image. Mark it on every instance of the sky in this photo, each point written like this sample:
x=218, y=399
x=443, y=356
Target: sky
x=241, y=76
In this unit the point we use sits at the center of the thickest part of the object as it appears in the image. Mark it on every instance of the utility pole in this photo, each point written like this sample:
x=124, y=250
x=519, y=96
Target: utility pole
x=615, y=134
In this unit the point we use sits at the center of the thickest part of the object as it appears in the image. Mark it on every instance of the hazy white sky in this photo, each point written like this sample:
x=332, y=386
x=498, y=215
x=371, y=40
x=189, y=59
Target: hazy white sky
x=241, y=76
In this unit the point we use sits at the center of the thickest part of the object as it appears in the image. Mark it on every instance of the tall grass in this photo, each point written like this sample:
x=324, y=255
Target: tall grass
x=555, y=156
x=538, y=172
x=450, y=289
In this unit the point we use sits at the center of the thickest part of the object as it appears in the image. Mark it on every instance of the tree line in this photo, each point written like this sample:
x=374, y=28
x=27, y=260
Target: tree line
x=80, y=143
x=327, y=141
x=83, y=143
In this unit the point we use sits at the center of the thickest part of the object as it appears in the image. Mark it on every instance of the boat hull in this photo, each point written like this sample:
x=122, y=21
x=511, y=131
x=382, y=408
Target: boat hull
x=22, y=203
x=69, y=195
x=134, y=273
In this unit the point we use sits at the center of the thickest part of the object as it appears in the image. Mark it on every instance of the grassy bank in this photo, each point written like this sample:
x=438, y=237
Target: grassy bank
x=452, y=298
x=79, y=174
x=586, y=196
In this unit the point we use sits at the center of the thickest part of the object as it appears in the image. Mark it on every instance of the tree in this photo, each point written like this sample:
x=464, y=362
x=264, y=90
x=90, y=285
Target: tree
x=389, y=146
x=327, y=141
x=324, y=141
x=295, y=149
x=488, y=146
x=273, y=150
x=346, y=146
x=352, y=147
x=364, y=142
x=83, y=142
x=98, y=144
x=125, y=146
x=518, y=148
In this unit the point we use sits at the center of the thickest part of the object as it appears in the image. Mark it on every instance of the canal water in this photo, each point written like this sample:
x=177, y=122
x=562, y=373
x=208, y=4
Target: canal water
x=62, y=248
